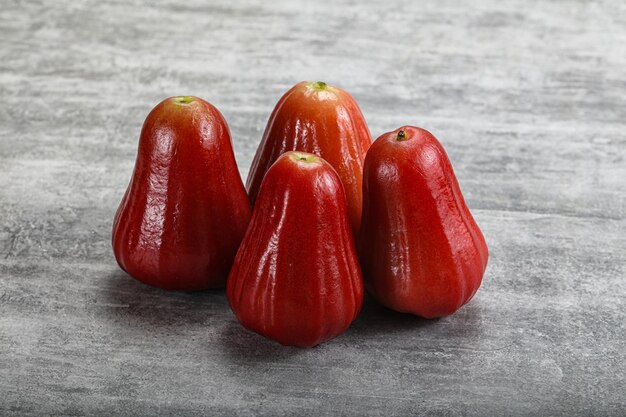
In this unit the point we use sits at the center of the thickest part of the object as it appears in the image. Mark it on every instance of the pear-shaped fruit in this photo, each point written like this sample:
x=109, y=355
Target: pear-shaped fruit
x=420, y=248
x=185, y=211
x=296, y=277
x=320, y=119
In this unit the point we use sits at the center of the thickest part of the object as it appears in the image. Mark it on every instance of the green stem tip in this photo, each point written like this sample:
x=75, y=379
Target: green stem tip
x=304, y=157
x=183, y=99
x=319, y=85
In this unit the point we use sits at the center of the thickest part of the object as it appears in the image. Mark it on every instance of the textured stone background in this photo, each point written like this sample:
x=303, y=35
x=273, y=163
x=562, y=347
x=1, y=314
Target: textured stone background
x=529, y=99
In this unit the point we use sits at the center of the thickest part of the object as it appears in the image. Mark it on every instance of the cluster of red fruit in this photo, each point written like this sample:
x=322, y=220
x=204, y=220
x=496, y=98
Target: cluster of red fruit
x=290, y=264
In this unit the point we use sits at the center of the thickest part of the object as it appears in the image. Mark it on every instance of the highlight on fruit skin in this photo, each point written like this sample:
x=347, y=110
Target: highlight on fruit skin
x=322, y=119
x=420, y=248
x=185, y=211
x=296, y=277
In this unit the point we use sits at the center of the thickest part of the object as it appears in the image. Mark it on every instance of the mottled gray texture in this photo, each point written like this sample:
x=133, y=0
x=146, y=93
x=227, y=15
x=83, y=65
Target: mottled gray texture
x=529, y=99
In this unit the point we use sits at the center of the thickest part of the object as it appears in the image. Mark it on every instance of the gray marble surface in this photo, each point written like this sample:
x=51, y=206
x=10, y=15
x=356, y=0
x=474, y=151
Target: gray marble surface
x=529, y=99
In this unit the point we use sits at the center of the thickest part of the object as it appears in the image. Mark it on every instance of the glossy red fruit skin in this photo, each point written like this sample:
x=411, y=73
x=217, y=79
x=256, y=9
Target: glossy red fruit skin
x=296, y=277
x=323, y=120
x=185, y=211
x=421, y=250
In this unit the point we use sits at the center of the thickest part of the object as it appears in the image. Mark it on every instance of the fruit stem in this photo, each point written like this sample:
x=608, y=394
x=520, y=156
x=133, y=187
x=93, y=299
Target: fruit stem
x=183, y=99
x=401, y=135
x=304, y=157
x=319, y=85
